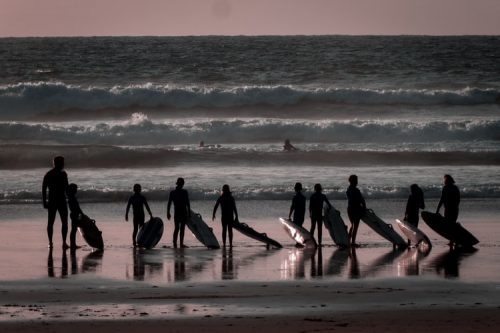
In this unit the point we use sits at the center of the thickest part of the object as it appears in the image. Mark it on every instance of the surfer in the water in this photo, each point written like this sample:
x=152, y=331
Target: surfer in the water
x=414, y=204
x=75, y=214
x=138, y=202
x=56, y=181
x=450, y=198
x=356, y=208
x=288, y=146
x=298, y=207
x=229, y=214
x=182, y=210
x=316, y=202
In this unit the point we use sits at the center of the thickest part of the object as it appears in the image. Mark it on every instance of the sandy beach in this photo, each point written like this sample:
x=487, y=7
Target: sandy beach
x=388, y=305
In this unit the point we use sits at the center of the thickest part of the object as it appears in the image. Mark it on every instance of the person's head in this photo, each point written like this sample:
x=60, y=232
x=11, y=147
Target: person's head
x=58, y=162
x=137, y=188
x=298, y=187
x=72, y=189
x=318, y=188
x=448, y=180
x=353, y=180
x=180, y=182
x=225, y=189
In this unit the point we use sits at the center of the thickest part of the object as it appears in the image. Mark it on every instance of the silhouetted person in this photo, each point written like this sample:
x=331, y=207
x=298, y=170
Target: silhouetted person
x=56, y=181
x=316, y=202
x=298, y=207
x=450, y=198
x=229, y=214
x=182, y=210
x=75, y=214
x=414, y=204
x=288, y=146
x=138, y=202
x=356, y=207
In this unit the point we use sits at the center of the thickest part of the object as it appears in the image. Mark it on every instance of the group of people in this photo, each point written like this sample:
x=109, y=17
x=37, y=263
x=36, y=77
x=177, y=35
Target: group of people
x=61, y=194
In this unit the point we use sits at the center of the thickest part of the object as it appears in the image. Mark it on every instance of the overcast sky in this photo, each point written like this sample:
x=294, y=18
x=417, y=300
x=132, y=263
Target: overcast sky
x=247, y=17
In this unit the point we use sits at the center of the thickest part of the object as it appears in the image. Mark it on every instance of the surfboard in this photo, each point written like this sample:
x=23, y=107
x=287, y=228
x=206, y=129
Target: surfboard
x=248, y=231
x=454, y=232
x=150, y=233
x=414, y=234
x=383, y=229
x=336, y=227
x=298, y=233
x=202, y=231
x=90, y=232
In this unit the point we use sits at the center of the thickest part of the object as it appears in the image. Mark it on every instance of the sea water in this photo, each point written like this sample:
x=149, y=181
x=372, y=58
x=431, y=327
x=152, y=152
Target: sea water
x=393, y=110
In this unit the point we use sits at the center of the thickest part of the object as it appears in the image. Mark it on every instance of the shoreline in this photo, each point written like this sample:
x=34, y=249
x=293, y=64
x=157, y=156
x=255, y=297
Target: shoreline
x=381, y=305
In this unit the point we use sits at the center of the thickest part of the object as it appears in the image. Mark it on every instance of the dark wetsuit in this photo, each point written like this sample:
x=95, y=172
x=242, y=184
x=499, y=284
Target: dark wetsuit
x=316, y=202
x=180, y=198
x=413, y=206
x=450, y=198
x=228, y=215
x=356, y=205
x=75, y=211
x=299, y=208
x=137, y=201
x=56, y=181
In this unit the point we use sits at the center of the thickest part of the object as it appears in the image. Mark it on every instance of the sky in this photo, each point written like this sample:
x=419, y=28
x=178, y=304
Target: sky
x=21, y=18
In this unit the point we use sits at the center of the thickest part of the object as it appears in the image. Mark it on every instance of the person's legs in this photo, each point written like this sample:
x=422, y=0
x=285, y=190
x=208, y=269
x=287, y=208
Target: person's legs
x=224, y=232
x=182, y=228
x=72, y=234
x=50, y=223
x=320, y=229
x=353, y=230
x=230, y=232
x=63, y=214
x=176, y=231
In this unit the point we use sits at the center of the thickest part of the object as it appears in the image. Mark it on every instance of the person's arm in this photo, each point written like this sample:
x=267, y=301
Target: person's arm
x=327, y=202
x=168, y=205
x=215, y=208
x=44, y=192
x=362, y=199
x=441, y=201
x=128, y=208
x=292, y=208
x=235, y=211
x=147, y=207
x=188, y=205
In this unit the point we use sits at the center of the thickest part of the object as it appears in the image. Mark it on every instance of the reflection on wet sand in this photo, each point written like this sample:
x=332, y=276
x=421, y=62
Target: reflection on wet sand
x=251, y=263
x=90, y=263
x=447, y=264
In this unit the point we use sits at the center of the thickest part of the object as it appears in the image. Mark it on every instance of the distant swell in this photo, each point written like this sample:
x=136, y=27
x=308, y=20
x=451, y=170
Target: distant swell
x=142, y=131
x=27, y=99
x=100, y=156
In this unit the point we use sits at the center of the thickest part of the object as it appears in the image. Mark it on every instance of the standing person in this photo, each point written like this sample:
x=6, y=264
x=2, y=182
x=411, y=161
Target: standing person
x=75, y=214
x=413, y=206
x=450, y=198
x=229, y=214
x=56, y=181
x=316, y=202
x=182, y=210
x=356, y=207
x=138, y=202
x=298, y=207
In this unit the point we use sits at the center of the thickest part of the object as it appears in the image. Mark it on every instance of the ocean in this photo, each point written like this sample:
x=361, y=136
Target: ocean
x=393, y=110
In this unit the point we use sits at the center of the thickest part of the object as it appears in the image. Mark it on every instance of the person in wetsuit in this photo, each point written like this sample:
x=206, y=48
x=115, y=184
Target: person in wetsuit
x=356, y=207
x=413, y=205
x=316, y=202
x=56, y=182
x=229, y=214
x=182, y=210
x=138, y=202
x=75, y=214
x=450, y=199
x=298, y=207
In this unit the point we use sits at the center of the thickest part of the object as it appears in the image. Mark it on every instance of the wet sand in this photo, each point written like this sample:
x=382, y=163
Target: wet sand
x=99, y=305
